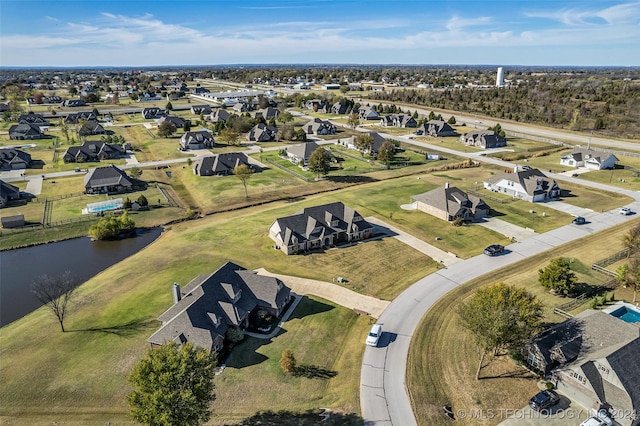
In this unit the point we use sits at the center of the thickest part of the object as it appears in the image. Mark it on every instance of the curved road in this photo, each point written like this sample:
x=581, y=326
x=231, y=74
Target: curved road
x=383, y=393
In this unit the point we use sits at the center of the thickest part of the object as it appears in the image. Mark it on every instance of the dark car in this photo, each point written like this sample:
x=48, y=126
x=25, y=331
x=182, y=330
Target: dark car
x=544, y=400
x=579, y=220
x=493, y=249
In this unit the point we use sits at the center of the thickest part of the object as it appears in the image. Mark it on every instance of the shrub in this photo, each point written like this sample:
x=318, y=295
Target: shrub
x=234, y=335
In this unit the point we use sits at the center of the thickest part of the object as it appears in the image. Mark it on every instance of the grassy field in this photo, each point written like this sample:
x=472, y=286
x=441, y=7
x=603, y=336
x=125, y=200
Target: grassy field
x=116, y=312
x=443, y=356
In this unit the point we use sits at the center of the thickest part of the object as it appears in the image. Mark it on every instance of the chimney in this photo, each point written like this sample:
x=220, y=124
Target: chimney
x=175, y=290
x=446, y=185
x=515, y=169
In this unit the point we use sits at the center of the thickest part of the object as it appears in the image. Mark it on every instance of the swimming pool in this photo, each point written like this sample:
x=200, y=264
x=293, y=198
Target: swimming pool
x=627, y=313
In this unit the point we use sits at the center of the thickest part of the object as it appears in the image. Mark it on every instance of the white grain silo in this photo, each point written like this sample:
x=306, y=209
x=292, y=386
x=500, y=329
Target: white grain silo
x=500, y=78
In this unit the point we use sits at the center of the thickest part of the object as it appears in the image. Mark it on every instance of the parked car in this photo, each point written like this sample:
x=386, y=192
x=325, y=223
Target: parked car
x=579, y=220
x=598, y=418
x=625, y=211
x=493, y=250
x=374, y=335
x=543, y=400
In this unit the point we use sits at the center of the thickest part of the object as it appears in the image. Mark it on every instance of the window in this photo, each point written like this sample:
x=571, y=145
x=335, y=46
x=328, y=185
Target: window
x=532, y=360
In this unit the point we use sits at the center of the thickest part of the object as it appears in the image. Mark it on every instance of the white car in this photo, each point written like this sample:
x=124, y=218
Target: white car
x=625, y=211
x=374, y=335
x=599, y=418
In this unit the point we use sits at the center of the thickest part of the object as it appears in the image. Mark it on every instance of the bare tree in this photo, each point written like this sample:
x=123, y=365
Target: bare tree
x=243, y=173
x=55, y=293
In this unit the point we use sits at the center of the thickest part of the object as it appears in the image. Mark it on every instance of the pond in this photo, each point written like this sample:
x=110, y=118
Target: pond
x=81, y=256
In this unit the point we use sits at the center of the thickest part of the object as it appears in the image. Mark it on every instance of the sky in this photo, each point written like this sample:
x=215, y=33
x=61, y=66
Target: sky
x=72, y=33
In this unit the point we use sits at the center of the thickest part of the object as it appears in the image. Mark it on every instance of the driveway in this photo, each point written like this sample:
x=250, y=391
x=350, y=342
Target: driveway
x=333, y=292
x=34, y=186
x=509, y=230
x=561, y=206
x=435, y=253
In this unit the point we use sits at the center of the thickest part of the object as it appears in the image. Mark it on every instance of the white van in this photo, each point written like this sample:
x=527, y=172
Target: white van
x=374, y=335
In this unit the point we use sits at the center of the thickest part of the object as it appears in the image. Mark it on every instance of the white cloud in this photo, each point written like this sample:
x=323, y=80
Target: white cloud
x=625, y=13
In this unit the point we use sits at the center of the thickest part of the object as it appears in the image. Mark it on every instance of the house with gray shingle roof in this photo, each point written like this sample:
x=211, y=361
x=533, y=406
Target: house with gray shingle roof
x=152, y=113
x=220, y=165
x=483, y=139
x=8, y=193
x=107, y=180
x=368, y=113
x=262, y=133
x=32, y=118
x=376, y=144
x=318, y=126
x=76, y=117
x=211, y=304
x=91, y=127
x=529, y=185
x=398, y=120
x=436, y=128
x=179, y=122
x=200, y=139
x=219, y=115
x=201, y=109
x=589, y=158
x=14, y=159
x=93, y=151
x=449, y=203
x=593, y=357
x=25, y=131
x=299, y=154
x=319, y=227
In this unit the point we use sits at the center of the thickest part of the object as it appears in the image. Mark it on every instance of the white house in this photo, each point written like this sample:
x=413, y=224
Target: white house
x=530, y=185
x=595, y=160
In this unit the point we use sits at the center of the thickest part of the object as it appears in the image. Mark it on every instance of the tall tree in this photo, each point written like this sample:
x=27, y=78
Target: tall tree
x=55, y=293
x=353, y=121
x=173, y=386
x=320, y=162
x=288, y=362
x=386, y=154
x=166, y=129
x=558, y=276
x=285, y=117
x=229, y=136
x=243, y=173
x=631, y=240
x=363, y=142
x=500, y=316
x=628, y=275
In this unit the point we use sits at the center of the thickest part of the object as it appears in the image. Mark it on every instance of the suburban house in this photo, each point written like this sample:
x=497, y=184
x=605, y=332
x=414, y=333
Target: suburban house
x=32, y=118
x=241, y=107
x=219, y=115
x=340, y=108
x=449, y=203
x=318, y=105
x=318, y=126
x=73, y=103
x=201, y=109
x=200, y=139
x=319, y=226
x=375, y=145
x=91, y=127
x=262, y=133
x=25, y=131
x=219, y=165
x=436, y=128
x=368, y=113
x=176, y=121
x=200, y=90
x=268, y=113
x=93, y=151
x=152, y=113
x=398, y=120
x=483, y=139
x=299, y=154
x=107, y=180
x=149, y=97
x=589, y=158
x=205, y=308
x=14, y=159
x=593, y=359
x=529, y=185
x=8, y=193
x=77, y=117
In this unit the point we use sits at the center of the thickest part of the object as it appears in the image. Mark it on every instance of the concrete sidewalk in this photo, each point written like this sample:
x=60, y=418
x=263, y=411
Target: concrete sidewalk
x=332, y=292
x=435, y=253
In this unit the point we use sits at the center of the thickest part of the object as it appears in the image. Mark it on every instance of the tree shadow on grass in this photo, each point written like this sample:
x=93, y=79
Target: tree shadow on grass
x=123, y=330
x=314, y=372
x=308, y=307
x=307, y=418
